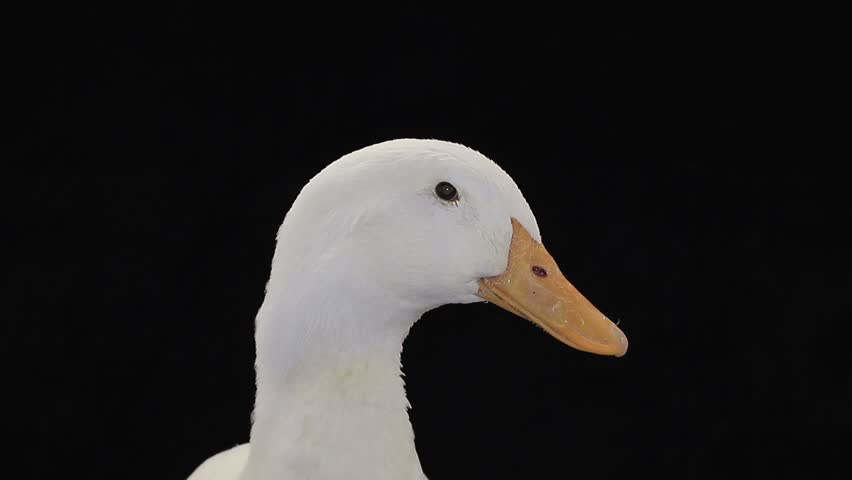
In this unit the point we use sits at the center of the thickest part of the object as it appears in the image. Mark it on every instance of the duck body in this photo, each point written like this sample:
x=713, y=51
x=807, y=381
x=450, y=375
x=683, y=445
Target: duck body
x=365, y=250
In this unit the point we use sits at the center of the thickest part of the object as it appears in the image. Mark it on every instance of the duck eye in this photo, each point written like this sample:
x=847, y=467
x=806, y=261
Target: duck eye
x=447, y=192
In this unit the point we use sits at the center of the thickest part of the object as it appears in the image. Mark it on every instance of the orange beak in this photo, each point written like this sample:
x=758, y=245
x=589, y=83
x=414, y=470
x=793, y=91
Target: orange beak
x=532, y=287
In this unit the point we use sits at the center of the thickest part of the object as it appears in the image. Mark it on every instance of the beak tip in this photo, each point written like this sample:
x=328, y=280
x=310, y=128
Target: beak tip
x=622, y=344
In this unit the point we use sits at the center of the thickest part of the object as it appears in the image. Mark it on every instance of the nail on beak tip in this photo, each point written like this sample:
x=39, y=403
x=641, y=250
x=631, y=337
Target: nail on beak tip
x=622, y=342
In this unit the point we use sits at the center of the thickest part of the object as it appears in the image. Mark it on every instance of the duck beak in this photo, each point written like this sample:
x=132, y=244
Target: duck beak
x=532, y=287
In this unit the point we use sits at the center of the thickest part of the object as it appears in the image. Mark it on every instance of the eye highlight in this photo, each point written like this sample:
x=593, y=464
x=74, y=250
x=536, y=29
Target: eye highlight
x=447, y=192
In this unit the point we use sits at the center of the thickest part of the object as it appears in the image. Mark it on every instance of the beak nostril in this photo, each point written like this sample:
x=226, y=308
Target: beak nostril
x=540, y=271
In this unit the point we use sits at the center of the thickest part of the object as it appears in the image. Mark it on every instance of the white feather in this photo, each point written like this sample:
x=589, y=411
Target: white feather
x=365, y=250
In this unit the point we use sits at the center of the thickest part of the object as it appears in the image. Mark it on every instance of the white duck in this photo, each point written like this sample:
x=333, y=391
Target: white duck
x=372, y=242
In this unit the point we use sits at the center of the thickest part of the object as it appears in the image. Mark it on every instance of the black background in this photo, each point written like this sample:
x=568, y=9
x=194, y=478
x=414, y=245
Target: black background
x=685, y=164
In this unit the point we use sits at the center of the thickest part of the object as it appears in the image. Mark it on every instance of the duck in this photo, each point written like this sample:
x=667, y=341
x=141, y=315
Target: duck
x=372, y=242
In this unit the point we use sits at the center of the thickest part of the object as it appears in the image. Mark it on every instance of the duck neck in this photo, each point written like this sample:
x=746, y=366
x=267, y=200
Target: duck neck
x=330, y=399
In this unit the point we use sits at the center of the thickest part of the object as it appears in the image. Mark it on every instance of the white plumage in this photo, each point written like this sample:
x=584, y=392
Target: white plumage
x=365, y=250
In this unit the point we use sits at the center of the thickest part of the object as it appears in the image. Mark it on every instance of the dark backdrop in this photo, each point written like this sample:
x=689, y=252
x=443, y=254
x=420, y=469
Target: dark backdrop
x=685, y=165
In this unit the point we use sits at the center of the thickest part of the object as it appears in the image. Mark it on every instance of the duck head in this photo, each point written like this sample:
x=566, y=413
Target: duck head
x=427, y=223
